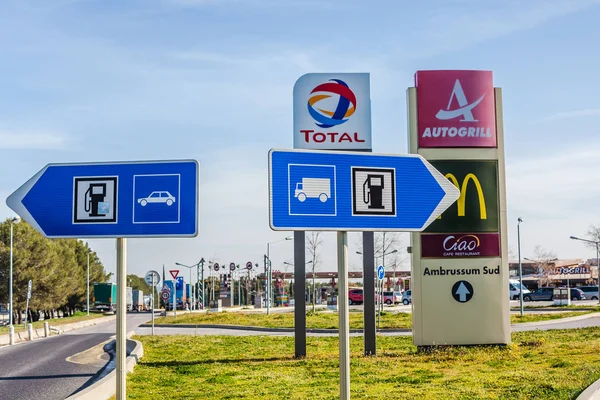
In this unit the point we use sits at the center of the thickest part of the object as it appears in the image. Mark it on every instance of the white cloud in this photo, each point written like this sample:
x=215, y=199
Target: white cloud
x=31, y=140
x=454, y=28
x=590, y=112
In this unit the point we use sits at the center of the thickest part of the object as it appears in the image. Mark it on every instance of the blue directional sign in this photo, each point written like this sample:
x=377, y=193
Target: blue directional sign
x=350, y=191
x=380, y=272
x=129, y=199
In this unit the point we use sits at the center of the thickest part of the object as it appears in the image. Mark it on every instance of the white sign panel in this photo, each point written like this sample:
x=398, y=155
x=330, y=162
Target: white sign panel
x=332, y=112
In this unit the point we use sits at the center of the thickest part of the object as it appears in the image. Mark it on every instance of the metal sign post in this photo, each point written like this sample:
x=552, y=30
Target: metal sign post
x=121, y=317
x=380, y=276
x=152, y=278
x=152, y=305
x=174, y=295
x=343, y=315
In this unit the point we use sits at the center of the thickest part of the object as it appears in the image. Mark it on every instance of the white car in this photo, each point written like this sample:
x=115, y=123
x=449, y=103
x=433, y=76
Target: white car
x=158, y=197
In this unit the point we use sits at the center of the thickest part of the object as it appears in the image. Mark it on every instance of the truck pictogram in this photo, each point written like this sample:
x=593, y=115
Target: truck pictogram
x=313, y=188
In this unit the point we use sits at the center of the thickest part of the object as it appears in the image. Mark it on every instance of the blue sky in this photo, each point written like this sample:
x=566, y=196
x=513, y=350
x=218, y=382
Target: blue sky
x=92, y=80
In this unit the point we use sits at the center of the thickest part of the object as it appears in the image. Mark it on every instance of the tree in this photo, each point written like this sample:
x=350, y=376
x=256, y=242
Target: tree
x=138, y=283
x=594, y=233
x=314, y=243
x=545, y=262
x=387, y=250
x=55, y=268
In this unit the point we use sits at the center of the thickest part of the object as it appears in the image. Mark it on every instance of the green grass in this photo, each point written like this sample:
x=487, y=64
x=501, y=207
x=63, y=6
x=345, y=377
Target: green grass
x=515, y=318
x=537, y=365
x=77, y=317
x=321, y=320
x=325, y=320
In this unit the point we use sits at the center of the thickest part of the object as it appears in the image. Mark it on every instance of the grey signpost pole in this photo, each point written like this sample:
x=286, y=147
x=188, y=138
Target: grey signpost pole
x=369, y=292
x=174, y=296
x=88, y=283
x=152, y=304
x=344, y=326
x=299, y=295
x=121, y=317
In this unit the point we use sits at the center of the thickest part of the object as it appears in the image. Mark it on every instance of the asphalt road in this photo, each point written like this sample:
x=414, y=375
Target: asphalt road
x=40, y=370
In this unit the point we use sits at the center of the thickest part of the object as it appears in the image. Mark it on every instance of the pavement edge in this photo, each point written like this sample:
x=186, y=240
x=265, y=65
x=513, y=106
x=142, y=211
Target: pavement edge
x=106, y=387
x=591, y=393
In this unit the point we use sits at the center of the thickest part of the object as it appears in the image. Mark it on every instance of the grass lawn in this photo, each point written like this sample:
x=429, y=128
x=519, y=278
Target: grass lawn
x=537, y=365
x=77, y=317
x=325, y=320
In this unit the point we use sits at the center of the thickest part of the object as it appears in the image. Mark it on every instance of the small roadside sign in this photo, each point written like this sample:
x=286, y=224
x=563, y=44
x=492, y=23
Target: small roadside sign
x=174, y=273
x=152, y=278
x=29, y=290
x=380, y=272
x=249, y=265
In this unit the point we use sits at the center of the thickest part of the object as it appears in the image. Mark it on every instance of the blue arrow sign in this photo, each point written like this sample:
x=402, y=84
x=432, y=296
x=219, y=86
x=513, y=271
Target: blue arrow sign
x=128, y=199
x=350, y=191
x=380, y=272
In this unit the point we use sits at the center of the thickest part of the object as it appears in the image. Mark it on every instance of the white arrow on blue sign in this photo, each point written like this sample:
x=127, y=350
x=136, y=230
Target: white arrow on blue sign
x=127, y=199
x=350, y=191
x=380, y=272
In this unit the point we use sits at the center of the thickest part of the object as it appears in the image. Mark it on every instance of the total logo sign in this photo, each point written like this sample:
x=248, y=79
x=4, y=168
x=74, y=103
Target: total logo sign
x=460, y=245
x=332, y=112
x=456, y=109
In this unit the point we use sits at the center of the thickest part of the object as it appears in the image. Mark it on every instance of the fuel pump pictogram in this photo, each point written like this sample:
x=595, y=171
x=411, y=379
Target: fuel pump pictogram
x=373, y=191
x=95, y=199
x=94, y=195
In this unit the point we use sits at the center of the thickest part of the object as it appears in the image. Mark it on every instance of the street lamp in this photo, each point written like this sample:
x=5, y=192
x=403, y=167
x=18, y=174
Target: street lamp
x=191, y=287
x=519, y=220
x=597, y=243
x=14, y=220
x=88, y=281
x=268, y=270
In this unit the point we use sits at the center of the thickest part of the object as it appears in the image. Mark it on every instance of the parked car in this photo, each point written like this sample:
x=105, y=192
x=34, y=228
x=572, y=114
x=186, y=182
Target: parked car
x=407, y=297
x=591, y=292
x=390, y=297
x=540, y=294
x=513, y=285
x=577, y=294
x=355, y=296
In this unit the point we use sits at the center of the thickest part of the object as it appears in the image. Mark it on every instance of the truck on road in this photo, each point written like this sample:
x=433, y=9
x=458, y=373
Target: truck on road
x=129, y=298
x=138, y=300
x=105, y=297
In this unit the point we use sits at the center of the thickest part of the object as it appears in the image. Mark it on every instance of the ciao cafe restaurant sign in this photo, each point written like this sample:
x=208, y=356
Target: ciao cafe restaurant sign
x=460, y=245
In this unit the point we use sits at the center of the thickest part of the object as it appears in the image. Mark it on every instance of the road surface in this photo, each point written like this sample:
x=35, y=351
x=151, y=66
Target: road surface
x=40, y=370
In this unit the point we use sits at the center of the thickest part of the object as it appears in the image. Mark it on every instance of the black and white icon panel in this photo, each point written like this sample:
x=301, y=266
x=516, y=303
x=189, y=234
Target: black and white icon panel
x=95, y=199
x=373, y=191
